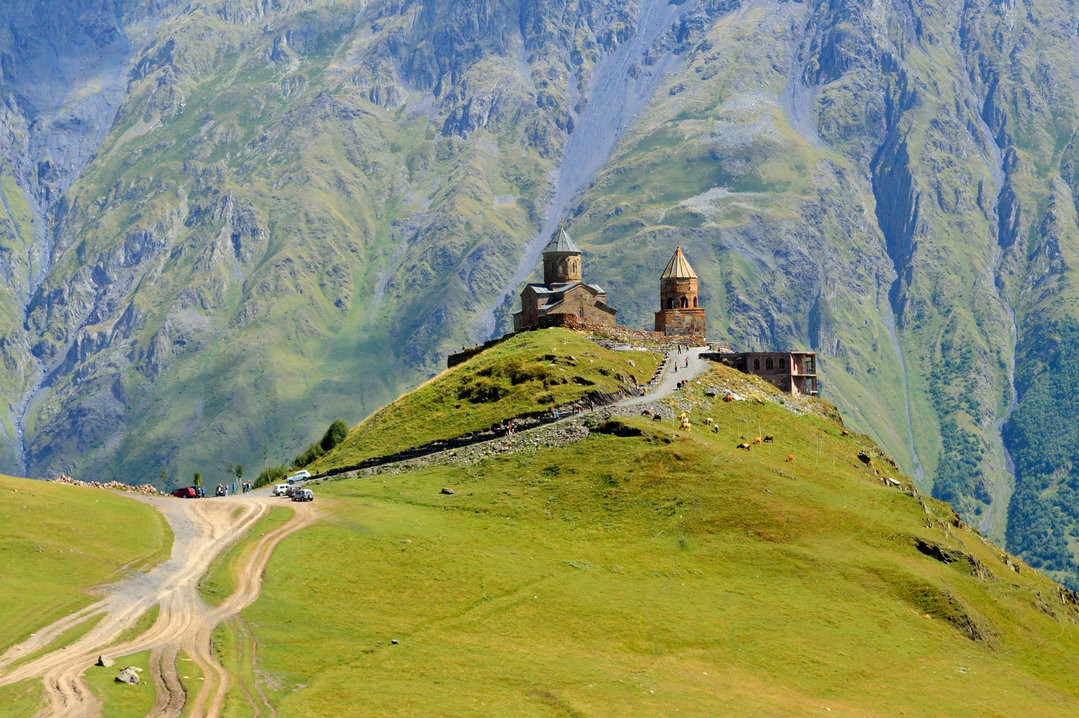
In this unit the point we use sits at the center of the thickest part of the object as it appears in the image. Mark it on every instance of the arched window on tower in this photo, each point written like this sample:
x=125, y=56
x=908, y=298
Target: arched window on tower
x=694, y=302
x=685, y=303
x=670, y=302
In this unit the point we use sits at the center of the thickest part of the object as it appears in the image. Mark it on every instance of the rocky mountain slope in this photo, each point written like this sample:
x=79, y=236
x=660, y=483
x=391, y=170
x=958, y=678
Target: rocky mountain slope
x=227, y=223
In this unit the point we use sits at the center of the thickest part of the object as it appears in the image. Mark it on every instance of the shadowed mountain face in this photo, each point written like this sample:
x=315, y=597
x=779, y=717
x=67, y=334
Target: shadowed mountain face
x=223, y=225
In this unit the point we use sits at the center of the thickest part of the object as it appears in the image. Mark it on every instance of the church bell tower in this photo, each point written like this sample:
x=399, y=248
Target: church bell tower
x=679, y=311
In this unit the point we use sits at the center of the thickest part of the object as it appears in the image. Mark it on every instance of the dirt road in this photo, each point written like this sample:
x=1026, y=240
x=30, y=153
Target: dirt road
x=185, y=625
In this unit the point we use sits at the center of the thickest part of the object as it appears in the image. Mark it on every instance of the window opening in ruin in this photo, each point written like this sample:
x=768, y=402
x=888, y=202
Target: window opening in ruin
x=685, y=303
x=756, y=365
x=768, y=363
x=694, y=302
x=670, y=302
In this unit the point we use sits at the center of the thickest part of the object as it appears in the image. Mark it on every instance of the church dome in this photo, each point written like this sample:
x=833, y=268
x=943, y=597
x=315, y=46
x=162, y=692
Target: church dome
x=678, y=267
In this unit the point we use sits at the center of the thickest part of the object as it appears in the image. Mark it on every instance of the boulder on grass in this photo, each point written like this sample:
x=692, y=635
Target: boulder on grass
x=105, y=661
x=128, y=676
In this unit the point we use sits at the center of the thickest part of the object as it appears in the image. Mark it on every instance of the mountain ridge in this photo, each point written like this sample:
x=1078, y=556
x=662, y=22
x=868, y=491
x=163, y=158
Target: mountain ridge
x=359, y=187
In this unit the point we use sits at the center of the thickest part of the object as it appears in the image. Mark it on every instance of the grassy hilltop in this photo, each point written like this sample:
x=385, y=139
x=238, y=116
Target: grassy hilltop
x=528, y=373
x=649, y=570
x=641, y=570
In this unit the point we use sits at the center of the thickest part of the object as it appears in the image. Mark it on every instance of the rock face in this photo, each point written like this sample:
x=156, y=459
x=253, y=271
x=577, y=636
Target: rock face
x=224, y=224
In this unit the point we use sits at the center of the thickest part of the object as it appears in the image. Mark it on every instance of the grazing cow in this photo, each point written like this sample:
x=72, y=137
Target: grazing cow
x=728, y=397
x=756, y=439
x=715, y=428
x=845, y=433
x=769, y=439
x=709, y=420
x=790, y=457
x=743, y=445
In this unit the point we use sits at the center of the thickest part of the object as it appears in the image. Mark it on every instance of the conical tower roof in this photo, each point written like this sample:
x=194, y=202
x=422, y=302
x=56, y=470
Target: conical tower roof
x=561, y=243
x=678, y=267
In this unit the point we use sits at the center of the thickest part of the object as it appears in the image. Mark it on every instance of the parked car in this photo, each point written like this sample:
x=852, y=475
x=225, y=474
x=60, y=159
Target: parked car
x=300, y=476
x=280, y=490
x=186, y=492
x=303, y=495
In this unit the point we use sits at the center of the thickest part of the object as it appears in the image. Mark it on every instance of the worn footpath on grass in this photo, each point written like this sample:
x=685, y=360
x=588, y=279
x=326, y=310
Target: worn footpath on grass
x=203, y=528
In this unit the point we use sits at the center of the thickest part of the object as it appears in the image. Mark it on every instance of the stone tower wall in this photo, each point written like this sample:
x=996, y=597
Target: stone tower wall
x=681, y=322
x=674, y=289
x=559, y=268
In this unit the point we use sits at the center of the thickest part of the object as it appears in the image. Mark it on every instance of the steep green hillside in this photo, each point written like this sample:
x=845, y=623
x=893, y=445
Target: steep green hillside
x=58, y=541
x=651, y=570
x=224, y=224
x=530, y=373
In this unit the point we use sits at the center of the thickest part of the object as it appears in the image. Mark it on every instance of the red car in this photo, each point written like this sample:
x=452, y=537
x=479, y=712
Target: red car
x=187, y=492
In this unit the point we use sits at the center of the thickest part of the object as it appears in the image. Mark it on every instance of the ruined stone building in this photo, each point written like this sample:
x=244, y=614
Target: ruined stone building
x=792, y=372
x=563, y=294
x=679, y=313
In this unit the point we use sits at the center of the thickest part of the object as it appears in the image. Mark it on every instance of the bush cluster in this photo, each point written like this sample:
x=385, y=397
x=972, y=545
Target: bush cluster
x=334, y=435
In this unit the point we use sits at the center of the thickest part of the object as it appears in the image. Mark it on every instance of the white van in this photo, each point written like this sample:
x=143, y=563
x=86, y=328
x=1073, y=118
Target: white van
x=280, y=490
x=300, y=476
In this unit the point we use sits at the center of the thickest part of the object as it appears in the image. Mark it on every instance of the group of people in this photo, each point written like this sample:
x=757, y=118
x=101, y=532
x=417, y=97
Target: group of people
x=228, y=489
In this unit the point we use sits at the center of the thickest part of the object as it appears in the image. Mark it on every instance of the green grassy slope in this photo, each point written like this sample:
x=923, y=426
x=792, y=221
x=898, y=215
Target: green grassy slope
x=58, y=541
x=530, y=372
x=301, y=208
x=660, y=573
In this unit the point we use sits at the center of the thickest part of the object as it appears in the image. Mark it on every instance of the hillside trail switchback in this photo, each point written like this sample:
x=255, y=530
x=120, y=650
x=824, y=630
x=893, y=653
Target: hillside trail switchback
x=203, y=528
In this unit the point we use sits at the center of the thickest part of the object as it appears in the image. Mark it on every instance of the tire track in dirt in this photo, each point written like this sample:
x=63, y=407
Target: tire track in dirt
x=203, y=528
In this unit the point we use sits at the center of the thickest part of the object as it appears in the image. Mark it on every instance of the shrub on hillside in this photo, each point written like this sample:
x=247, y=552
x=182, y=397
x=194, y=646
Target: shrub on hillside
x=271, y=475
x=333, y=436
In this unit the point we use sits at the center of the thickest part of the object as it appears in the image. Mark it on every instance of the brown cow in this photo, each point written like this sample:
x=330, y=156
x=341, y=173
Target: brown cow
x=790, y=457
x=769, y=439
x=756, y=439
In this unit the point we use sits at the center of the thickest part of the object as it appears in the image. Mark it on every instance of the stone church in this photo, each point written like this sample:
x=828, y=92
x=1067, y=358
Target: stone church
x=679, y=313
x=563, y=292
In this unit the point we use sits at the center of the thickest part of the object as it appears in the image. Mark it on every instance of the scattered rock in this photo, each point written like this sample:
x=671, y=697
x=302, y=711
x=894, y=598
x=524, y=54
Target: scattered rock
x=128, y=676
x=711, y=392
x=105, y=661
x=447, y=490
x=618, y=428
x=144, y=489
